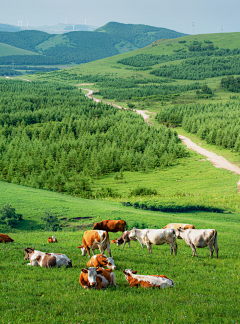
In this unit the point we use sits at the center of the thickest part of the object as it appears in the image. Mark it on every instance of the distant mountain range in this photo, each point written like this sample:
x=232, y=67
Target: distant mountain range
x=78, y=46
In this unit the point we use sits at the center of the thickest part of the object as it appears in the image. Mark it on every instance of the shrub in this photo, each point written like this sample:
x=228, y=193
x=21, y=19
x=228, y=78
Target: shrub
x=142, y=192
x=9, y=215
x=51, y=222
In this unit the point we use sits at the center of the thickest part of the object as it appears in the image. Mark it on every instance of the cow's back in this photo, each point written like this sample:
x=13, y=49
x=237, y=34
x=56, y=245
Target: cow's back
x=177, y=225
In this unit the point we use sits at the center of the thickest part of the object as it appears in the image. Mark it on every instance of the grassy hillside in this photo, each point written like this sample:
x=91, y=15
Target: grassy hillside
x=35, y=286
x=6, y=50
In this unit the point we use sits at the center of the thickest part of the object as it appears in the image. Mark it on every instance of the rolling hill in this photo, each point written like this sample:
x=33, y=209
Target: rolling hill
x=84, y=46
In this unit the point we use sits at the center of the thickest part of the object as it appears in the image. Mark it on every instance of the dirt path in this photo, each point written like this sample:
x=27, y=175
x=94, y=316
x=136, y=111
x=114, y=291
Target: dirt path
x=217, y=160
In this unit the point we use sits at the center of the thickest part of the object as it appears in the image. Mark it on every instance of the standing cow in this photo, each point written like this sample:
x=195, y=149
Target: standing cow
x=5, y=238
x=111, y=225
x=124, y=238
x=199, y=238
x=155, y=236
x=95, y=240
x=177, y=225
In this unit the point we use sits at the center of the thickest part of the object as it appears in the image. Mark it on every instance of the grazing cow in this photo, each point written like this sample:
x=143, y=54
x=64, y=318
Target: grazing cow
x=46, y=260
x=5, y=238
x=147, y=281
x=199, y=238
x=101, y=260
x=52, y=239
x=155, y=236
x=111, y=226
x=95, y=240
x=96, y=278
x=124, y=238
x=177, y=225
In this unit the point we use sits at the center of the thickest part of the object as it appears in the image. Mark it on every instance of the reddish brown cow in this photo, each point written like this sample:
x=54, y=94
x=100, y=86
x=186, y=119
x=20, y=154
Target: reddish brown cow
x=5, y=238
x=147, y=281
x=96, y=278
x=95, y=240
x=111, y=225
x=52, y=239
x=177, y=225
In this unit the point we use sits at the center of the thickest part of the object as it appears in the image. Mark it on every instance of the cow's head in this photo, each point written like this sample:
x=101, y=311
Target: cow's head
x=119, y=241
x=83, y=249
x=179, y=232
x=92, y=275
x=28, y=253
x=95, y=226
x=109, y=263
x=133, y=233
x=129, y=272
x=114, y=241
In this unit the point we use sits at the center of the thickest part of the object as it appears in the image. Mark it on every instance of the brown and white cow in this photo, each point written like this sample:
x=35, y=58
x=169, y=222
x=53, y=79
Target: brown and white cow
x=177, y=225
x=95, y=240
x=96, y=278
x=111, y=225
x=199, y=238
x=148, y=281
x=5, y=238
x=124, y=238
x=46, y=260
x=101, y=260
x=156, y=237
x=52, y=239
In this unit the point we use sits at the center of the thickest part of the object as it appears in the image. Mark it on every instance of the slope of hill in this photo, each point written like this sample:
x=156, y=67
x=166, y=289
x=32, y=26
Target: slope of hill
x=9, y=28
x=138, y=35
x=85, y=46
x=6, y=50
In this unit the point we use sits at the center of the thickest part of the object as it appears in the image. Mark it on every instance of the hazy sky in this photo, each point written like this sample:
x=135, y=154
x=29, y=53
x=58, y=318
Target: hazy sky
x=209, y=16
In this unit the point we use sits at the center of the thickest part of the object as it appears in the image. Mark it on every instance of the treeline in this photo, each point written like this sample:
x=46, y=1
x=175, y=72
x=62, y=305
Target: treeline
x=146, y=60
x=200, y=68
x=53, y=137
x=8, y=71
x=145, y=91
x=218, y=124
x=30, y=60
x=26, y=39
x=230, y=83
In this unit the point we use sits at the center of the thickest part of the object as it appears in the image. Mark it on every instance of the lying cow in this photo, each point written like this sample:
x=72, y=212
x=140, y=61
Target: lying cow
x=95, y=240
x=199, y=238
x=177, y=225
x=46, y=260
x=155, y=236
x=52, y=239
x=96, y=278
x=101, y=260
x=5, y=238
x=111, y=226
x=124, y=238
x=147, y=281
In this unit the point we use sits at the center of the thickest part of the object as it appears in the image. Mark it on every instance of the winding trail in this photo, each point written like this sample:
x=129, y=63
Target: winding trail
x=217, y=160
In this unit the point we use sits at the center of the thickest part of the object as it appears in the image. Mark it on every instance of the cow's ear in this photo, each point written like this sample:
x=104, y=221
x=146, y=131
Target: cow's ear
x=79, y=247
x=134, y=272
x=99, y=271
x=124, y=271
x=84, y=270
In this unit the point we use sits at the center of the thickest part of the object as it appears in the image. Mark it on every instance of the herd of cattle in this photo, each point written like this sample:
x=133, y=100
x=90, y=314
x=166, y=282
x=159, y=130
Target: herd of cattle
x=99, y=272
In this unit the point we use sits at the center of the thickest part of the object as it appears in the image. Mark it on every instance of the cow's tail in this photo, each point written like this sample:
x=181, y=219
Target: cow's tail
x=107, y=236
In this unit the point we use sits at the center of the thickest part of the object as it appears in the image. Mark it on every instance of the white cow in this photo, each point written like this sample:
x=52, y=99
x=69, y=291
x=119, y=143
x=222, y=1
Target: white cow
x=155, y=236
x=199, y=238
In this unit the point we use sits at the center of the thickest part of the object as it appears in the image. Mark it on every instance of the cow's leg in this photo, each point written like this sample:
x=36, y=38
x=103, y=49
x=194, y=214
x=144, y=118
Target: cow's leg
x=216, y=248
x=124, y=244
x=108, y=249
x=149, y=247
x=193, y=249
x=88, y=251
x=112, y=276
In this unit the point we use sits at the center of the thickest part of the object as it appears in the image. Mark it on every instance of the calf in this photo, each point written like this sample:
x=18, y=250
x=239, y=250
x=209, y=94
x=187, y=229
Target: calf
x=46, y=260
x=95, y=240
x=100, y=260
x=5, y=238
x=155, y=236
x=52, y=239
x=177, y=225
x=111, y=225
x=199, y=238
x=124, y=238
x=96, y=278
x=147, y=281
